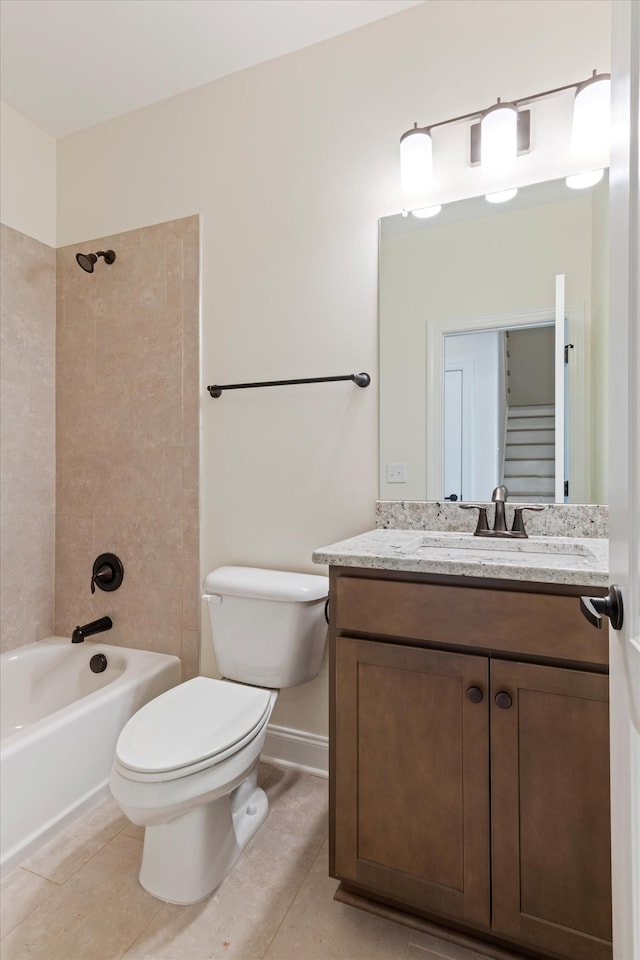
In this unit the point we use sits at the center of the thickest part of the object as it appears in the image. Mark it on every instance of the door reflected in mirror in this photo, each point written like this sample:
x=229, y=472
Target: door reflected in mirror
x=493, y=349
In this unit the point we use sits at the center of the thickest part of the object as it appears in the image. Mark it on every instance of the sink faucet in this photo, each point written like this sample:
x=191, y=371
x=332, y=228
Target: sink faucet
x=499, y=497
x=88, y=629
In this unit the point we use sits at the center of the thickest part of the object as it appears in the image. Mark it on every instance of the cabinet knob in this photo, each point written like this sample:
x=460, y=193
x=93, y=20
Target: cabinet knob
x=503, y=700
x=475, y=694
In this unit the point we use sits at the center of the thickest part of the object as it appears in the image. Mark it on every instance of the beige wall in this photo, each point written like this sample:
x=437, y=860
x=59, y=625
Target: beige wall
x=289, y=165
x=27, y=177
x=27, y=438
x=127, y=437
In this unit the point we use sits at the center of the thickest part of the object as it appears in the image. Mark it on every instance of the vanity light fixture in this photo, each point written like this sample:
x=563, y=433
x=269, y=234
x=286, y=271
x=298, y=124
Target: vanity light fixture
x=499, y=138
x=580, y=181
x=416, y=159
x=591, y=115
x=424, y=213
x=501, y=196
x=500, y=132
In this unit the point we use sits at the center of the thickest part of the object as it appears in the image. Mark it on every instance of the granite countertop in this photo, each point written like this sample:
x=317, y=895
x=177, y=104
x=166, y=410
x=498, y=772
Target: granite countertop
x=569, y=560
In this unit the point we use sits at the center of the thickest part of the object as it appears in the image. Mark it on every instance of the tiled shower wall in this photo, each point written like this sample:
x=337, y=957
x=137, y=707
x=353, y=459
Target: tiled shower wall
x=27, y=439
x=127, y=437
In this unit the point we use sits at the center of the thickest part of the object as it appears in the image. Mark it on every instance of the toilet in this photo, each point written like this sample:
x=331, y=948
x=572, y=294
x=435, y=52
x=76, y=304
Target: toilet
x=186, y=764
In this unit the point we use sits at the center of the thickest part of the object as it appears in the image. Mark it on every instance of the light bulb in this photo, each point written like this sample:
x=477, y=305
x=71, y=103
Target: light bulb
x=423, y=213
x=416, y=160
x=499, y=138
x=580, y=181
x=591, y=116
x=501, y=196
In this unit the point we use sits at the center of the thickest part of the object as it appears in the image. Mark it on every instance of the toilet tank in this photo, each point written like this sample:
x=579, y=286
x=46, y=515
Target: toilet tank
x=268, y=626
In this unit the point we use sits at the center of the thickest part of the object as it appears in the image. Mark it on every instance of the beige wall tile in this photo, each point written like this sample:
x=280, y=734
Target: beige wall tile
x=27, y=547
x=190, y=654
x=27, y=437
x=124, y=434
x=143, y=413
x=174, y=484
x=175, y=285
x=190, y=595
x=13, y=616
x=74, y=560
x=40, y=607
x=139, y=344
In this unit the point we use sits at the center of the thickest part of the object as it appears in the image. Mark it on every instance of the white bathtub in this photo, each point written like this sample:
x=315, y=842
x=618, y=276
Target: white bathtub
x=59, y=726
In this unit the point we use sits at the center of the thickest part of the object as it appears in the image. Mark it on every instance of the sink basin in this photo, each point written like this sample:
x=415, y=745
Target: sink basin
x=497, y=549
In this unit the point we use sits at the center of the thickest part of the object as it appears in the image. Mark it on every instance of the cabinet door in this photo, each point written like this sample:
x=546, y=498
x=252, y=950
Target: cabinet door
x=550, y=809
x=407, y=738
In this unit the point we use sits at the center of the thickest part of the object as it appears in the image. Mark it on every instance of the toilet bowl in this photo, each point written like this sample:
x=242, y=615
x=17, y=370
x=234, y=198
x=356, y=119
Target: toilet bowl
x=186, y=764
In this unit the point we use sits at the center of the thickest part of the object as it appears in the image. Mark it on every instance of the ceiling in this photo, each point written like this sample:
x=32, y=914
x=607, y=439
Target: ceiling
x=69, y=64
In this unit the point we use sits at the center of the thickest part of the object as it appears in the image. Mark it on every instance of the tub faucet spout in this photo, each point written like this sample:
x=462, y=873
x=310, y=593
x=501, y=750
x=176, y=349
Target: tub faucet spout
x=88, y=629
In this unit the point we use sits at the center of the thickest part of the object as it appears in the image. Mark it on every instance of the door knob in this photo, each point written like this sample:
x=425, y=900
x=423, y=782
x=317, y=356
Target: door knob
x=475, y=694
x=595, y=608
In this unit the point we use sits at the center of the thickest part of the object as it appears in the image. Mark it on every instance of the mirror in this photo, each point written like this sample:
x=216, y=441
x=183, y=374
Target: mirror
x=493, y=348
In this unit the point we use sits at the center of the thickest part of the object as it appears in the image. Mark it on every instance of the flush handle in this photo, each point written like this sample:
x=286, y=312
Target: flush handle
x=595, y=608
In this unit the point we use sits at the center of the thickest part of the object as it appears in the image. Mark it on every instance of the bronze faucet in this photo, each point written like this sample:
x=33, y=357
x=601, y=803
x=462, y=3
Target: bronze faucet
x=499, y=497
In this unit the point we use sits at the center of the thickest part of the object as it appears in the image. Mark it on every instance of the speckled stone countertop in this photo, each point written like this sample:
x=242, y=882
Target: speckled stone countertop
x=556, y=520
x=570, y=560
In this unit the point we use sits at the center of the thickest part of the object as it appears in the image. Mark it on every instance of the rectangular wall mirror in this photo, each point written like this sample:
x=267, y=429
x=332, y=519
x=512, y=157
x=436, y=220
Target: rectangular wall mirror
x=493, y=348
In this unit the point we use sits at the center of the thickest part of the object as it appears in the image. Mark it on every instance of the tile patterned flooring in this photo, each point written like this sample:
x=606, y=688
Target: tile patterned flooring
x=79, y=898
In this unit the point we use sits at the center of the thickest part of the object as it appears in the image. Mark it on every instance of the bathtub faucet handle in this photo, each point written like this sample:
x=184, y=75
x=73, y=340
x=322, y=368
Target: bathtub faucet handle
x=107, y=573
x=103, y=575
x=88, y=629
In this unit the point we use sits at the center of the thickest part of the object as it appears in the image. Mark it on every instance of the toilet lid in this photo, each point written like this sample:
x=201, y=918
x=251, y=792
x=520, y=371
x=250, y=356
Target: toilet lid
x=192, y=722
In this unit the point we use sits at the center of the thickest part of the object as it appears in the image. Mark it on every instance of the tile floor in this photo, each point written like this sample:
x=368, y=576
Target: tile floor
x=79, y=897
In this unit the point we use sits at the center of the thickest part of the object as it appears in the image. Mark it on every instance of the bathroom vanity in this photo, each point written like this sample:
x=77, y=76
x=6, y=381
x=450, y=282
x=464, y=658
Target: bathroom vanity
x=469, y=746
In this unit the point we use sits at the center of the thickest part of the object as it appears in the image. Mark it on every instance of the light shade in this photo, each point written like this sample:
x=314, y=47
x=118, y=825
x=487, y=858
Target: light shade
x=499, y=138
x=424, y=213
x=416, y=160
x=591, y=116
x=502, y=196
x=580, y=181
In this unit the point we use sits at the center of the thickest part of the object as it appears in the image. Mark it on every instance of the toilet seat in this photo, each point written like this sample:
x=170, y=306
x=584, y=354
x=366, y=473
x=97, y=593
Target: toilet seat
x=195, y=725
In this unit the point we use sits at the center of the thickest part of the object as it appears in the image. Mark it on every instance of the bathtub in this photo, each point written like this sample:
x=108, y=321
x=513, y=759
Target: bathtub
x=58, y=731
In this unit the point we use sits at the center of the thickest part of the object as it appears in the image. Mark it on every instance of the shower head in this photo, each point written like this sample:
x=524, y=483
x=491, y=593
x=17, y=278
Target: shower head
x=87, y=260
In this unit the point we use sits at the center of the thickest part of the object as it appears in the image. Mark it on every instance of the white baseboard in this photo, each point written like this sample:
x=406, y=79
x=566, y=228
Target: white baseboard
x=296, y=749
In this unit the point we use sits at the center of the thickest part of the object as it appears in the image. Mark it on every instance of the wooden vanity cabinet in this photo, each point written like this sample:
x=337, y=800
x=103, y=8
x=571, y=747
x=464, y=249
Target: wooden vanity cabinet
x=412, y=776
x=550, y=822
x=469, y=767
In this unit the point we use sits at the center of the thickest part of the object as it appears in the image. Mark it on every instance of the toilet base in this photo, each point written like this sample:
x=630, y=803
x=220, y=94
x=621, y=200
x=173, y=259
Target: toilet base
x=183, y=861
